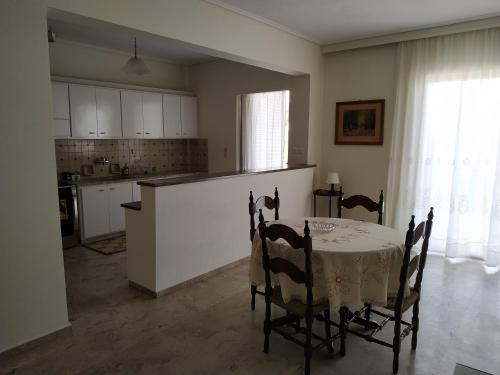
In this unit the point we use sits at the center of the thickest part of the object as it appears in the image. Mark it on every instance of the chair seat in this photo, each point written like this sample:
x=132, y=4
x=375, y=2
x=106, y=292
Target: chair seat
x=408, y=301
x=295, y=306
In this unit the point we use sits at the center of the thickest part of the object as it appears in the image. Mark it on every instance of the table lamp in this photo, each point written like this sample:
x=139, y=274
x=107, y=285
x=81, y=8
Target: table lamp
x=332, y=178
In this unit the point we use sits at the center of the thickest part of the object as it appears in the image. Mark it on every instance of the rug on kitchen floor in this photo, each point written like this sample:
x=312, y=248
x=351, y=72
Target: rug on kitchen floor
x=109, y=245
x=466, y=370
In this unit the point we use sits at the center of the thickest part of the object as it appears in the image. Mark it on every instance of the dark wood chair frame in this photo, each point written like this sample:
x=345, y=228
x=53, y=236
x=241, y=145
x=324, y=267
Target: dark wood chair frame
x=280, y=265
x=361, y=200
x=261, y=202
x=413, y=235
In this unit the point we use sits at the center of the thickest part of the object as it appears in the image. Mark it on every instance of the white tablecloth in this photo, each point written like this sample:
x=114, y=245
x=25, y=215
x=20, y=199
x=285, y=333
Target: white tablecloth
x=356, y=262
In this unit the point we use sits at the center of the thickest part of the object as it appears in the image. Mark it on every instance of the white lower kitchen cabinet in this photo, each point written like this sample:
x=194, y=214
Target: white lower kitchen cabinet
x=118, y=194
x=95, y=210
x=136, y=191
x=100, y=208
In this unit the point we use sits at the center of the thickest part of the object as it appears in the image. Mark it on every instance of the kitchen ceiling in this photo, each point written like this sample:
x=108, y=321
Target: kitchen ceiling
x=122, y=39
x=332, y=21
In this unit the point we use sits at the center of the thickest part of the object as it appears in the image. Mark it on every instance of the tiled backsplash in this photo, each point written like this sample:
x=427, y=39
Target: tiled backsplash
x=165, y=155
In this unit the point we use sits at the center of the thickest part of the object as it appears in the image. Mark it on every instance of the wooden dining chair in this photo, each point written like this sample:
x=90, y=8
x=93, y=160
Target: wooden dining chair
x=263, y=201
x=401, y=302
x=295, y=310
x=363, y=201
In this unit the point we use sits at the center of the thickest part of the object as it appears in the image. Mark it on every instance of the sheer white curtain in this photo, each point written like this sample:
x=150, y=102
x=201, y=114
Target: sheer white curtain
x=446, y=142
x=265, y=129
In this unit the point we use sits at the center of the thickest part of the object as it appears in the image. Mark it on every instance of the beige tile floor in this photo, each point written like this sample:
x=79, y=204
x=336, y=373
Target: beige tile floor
x=208, y=328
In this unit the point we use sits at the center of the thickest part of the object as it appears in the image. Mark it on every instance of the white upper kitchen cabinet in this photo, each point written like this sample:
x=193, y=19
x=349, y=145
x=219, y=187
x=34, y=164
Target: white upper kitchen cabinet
x=152, y=112
x=132, y=119
x=60, y=100
x=172, y=116
x=83, y=111
x=109, y=117
x=189, y=116
x=60, y=109
x=95, y=210
x=118, y=194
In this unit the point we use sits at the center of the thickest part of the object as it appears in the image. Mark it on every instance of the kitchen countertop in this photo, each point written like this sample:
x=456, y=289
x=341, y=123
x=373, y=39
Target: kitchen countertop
x=197, y=177
x=88, y=181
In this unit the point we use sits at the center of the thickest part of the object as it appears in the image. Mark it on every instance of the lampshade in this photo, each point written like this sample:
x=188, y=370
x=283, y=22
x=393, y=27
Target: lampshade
x=135, y=65
x=333, y=178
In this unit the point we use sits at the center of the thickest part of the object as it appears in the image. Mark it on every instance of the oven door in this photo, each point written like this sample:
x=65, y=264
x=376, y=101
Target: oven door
x=68, y=214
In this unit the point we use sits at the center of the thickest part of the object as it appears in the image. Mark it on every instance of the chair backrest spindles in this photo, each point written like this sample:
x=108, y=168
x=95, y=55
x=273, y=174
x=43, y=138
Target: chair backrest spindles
x=261, y=202
x=251, y=212
x=413, y=235
x=423, y=253
x=281, y=265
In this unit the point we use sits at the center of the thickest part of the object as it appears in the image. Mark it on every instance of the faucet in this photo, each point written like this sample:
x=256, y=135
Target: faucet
x=102, y=160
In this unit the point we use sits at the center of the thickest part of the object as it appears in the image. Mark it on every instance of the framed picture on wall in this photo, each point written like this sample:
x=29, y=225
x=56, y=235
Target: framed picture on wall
x=360, y=122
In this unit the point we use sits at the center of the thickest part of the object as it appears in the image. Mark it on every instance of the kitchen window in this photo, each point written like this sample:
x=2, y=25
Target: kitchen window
x=264, y=129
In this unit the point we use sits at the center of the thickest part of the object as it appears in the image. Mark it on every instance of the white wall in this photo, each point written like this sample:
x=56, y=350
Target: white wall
x=76, y=60
x=31, y=267
x=367, y=73
x=168, y=241
x=32, y=286
x=218, y=83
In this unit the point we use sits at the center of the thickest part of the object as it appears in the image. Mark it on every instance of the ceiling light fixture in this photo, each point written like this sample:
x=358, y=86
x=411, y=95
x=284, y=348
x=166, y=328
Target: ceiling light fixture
x=136, y=65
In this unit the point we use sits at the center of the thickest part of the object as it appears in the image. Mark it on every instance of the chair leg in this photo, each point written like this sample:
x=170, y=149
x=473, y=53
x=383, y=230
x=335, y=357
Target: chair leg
x=343, y=329
x=368, y=312
x=253, y=290
x=328, y=332
x=396, y=344
x=267, y=324
x=414, y=323
x=308, y=346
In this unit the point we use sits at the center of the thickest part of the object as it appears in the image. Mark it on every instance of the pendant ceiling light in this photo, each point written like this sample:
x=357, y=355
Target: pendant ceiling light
x=136, y=65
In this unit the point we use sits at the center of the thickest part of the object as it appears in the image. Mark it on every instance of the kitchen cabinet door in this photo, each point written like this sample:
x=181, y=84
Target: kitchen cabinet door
x=189, y=116
x=152, y=112
x=136, y=192
x=172, y=116
x=83, y=111
x=132, y=120
x=62, y=128
x=95, y=210
x=118, y=194
x=109, y=117
x=60, y=100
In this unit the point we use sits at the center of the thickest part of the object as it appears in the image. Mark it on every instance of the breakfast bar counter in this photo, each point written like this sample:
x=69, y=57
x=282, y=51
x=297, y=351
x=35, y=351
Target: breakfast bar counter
x=185, y=227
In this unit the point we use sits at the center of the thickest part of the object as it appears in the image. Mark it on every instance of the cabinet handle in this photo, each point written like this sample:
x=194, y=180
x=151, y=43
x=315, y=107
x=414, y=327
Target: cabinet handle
x=103, y=132
x=138, y=133
x=91, y=132
x=148, y=133
x=176, y=133
x=111, y=188
x=100, y=190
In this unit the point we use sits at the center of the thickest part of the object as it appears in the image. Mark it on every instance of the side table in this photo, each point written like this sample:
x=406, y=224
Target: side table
x=325, y=193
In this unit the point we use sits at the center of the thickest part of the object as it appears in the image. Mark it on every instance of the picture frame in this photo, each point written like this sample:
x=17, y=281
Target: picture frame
x=359, y=122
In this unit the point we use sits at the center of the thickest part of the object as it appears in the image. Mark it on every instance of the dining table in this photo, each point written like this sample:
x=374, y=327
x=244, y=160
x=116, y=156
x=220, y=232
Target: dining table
x=353, y=263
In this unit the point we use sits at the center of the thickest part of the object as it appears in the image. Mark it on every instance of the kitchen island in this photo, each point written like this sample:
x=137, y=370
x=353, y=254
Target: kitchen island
x=187, y=227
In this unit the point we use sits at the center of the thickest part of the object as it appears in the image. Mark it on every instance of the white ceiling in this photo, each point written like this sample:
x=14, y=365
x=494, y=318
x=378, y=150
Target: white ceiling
x=331, y=21
x=122, y=39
